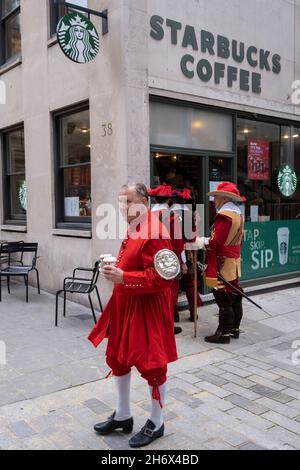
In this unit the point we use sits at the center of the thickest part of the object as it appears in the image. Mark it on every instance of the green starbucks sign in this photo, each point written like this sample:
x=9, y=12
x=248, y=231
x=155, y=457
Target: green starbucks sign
x=23, y=195
x=270, y=249
x=78, y=38
x=287, y=180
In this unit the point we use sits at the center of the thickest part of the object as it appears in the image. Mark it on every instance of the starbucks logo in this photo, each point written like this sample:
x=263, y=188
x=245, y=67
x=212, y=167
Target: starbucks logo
x=78, y=38
x=287, y=180
x=23, y=195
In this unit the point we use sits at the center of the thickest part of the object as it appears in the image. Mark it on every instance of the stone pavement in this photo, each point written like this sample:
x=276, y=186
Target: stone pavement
x=245, y=395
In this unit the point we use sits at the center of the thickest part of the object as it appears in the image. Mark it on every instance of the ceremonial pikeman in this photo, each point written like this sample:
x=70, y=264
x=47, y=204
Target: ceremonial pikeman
x=223, y=258
x=138, y=319
x=161, y=196
x=180, y=201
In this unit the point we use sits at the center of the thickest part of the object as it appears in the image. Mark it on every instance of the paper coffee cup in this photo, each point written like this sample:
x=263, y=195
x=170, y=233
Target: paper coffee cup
x=283, y=235
x=109, y=260
x=102, y=258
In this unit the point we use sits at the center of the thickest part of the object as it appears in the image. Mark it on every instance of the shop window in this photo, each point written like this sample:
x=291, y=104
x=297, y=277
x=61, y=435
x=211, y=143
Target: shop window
x=220, y=169
x=10, y=30
x=191, y=128
x=263, y=149
x=57, y=11
x=268, y=175
x=14, y=181
x=73, y=169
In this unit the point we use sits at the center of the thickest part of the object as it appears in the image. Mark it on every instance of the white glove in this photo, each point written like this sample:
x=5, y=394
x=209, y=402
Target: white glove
x=202, y=242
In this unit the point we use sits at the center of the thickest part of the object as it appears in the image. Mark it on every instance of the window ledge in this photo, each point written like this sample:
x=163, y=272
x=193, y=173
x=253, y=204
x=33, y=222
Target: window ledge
x=10, y=65
x=59, y=232
x=52, y=41
x=14, y=228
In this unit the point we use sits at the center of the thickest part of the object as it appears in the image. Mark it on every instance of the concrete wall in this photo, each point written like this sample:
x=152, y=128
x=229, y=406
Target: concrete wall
x=116, y=86
x=273, y=25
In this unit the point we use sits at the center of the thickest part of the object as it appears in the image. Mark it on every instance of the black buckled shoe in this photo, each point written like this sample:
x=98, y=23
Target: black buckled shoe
x=112, y=424
x=218, y=337
x=146, y=435
x=177, y=330
x=235, y=333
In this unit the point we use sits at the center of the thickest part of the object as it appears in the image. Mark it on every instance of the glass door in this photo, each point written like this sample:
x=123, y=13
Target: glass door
x=179, y=171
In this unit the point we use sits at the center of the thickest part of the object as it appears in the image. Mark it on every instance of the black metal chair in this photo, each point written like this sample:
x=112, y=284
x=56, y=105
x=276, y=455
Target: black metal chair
x=79, y=285
x=16, y=268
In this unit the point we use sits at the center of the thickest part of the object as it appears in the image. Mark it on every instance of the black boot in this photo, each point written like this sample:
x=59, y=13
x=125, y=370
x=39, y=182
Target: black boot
x=111, y=424
x=146, y=435
x=226, y=319
x=218, y=337
x=176, y=314
x=238, y=315
x=177, y=330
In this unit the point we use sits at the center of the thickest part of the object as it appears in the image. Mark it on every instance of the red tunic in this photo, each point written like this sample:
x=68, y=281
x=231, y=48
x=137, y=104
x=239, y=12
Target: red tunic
x=138, y=319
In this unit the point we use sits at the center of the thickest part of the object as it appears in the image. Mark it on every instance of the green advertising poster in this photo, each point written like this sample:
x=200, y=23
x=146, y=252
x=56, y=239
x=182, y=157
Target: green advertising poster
x=270, y=248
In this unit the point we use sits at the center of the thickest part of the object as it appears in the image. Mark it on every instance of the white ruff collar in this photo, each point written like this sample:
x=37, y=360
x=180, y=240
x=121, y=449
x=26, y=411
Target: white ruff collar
x=230, y=206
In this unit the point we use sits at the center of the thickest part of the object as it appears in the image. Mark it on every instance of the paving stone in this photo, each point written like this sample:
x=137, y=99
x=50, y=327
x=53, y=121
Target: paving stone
x=22, y=429
x=295, y=404
x=215, y=380
x=97, y=406
x=277, y=386
x=241, y=391
x=286, y=374
x=228, y=435
x=285, y=436
x=241, y=396
x=256, y=363
x=235, y=370
x=285, y=410
x=209, y=387
x=249, y=405
x=289, y=383
x=282, y=421
x=263, y=373
x=258, y=437
x=215, y=444
x=238, y=380
x=250, y=418
x=292, y=393
x=214, y=401
x=251, y=446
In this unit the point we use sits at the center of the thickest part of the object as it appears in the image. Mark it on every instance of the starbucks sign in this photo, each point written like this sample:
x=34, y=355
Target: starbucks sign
x=23, y=196
x=287, y=180
x=78, y=38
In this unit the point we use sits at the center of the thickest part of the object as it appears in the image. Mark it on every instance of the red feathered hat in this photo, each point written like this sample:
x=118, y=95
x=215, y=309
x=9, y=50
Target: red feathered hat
x=227, y=189
x=164, y=191
x=185, y=194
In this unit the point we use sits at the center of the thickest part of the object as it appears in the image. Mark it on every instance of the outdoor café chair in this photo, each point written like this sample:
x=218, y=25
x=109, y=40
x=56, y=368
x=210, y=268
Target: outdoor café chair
x=79, y=285
x=20, y=269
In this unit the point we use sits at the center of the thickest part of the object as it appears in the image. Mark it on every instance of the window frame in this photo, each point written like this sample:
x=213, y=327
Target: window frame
x=77, y=223
x=56, y=12
x=3, y=19
x=8, y=217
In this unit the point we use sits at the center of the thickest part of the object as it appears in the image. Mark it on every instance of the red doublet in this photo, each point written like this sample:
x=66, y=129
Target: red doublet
x=138, y=319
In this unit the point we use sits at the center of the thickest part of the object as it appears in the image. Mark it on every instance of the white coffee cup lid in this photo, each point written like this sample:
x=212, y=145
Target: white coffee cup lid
x=109, y=259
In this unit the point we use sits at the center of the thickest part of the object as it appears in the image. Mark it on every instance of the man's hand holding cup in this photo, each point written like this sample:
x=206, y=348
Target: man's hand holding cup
x=110, y=271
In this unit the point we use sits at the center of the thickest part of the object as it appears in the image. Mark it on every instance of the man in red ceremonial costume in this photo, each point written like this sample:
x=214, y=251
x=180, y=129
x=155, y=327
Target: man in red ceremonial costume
x=180, y=199
x=223, y=255
x=161, y=195
x=138, y=319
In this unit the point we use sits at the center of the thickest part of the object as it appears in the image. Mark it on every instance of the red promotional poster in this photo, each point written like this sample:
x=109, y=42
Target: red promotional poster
x=258, y=160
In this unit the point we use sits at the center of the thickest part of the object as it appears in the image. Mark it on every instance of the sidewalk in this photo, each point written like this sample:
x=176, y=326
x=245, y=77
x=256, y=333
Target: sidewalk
x=245, y=395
